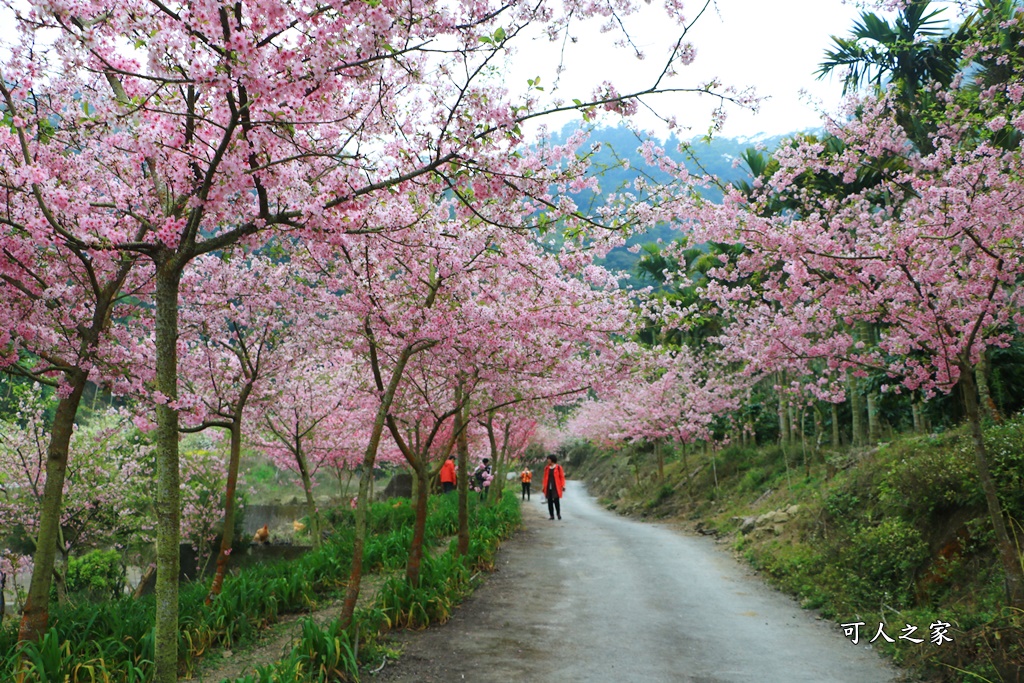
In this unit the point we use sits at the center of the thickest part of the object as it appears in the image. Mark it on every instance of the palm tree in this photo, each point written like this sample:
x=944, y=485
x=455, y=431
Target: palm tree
x=905, y=56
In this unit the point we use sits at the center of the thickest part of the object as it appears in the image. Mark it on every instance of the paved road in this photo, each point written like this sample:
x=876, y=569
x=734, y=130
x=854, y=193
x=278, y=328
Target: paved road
x=596, y=597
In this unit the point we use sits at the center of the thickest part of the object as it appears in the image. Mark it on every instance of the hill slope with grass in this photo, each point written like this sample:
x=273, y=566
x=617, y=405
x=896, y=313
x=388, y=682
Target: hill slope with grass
x=880, y=539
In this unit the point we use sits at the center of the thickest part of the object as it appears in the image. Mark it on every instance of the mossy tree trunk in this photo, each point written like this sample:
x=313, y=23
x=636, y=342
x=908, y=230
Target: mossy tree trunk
x=1008, y=555
x=387, y=397
x=168, y=485
x=35, y=615
x=462, y=463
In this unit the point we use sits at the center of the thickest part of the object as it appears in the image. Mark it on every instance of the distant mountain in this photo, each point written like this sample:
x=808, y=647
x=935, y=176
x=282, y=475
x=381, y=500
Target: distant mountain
x=715, y=157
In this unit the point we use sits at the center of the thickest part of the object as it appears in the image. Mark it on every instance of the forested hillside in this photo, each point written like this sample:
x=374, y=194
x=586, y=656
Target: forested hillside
x=618, y=163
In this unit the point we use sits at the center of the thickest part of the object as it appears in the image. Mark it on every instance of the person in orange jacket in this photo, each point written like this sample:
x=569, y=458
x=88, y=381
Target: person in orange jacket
x=554, y=486
x=526, y=476
x=448, y=475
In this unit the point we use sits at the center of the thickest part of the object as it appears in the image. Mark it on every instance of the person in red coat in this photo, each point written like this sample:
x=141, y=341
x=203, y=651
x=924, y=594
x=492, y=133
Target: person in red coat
x=448, y=475
x=554, y=486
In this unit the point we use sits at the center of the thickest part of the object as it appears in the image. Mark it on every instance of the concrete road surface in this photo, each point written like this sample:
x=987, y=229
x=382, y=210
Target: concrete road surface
x=597, y=597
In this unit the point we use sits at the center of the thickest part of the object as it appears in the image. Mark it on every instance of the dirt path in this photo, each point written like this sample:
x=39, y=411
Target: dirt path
x=596, y=597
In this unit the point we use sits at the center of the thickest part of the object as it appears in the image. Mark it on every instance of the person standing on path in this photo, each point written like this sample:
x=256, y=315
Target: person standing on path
x=554, y=486
x=448, y=475
x=526, y=476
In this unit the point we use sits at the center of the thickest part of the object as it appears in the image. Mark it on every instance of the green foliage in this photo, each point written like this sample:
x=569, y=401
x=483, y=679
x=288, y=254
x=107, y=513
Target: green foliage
x=1005, y=445
x=662, y=494
x=98, y=573
x=882, y=562
x=113, y=641
x=802, y=570
x=930, y=479
x=322, y=655
x=843, y=506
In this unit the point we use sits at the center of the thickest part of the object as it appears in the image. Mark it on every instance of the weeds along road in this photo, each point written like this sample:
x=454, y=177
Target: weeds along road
x=596, y=597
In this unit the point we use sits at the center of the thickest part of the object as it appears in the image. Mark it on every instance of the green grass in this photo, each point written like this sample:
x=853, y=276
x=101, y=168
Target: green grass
x=113, y=640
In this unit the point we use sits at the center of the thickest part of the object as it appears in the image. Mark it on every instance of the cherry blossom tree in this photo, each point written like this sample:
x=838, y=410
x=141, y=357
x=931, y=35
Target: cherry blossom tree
x=926, y=254
x=236, y=319
x=218, y=124
x=670, y=395
x=317, y=414
x=58, y=298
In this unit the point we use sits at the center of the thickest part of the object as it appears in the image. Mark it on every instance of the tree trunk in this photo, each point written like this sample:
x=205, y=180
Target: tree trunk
x=660, y=457
x=307, y=487
x=168, y=484
x=874, y=423
x=796, y=429
x=501, y=465
x=988, y=406
x=836, y=438
x=60, y=571
x=783, y=419
x=35, y=616
x=802, y=436
x=857, y=412
x=227, y=536
x=492, y=444
x=348, y=607
x=463, y=474
x=412, y=569
x=1012, y=570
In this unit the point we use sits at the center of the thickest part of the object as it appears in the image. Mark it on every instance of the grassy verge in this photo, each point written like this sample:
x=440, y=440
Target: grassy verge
x=113, y=641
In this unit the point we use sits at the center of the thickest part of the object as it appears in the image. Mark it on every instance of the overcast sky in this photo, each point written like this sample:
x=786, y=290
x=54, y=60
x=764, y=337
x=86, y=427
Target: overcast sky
x=773, y=45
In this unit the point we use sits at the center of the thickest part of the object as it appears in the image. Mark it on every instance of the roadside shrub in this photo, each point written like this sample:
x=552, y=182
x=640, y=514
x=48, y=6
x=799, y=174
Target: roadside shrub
x=844, y=507
x=754, y=478
x=882, y=562
x=663, y=493
x=1005, y=444
x=924, y=482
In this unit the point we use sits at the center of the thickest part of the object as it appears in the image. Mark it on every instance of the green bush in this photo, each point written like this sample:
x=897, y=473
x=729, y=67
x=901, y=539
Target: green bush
x=844, y=507
x=926, y=481
x=1005, y=445
x=882, y=561
x=98, y=574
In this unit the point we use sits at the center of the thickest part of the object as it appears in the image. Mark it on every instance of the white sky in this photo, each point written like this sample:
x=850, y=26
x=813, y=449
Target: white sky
x=773, y=45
